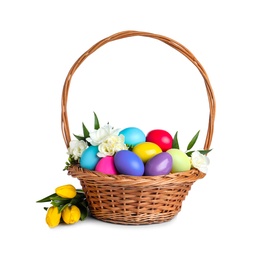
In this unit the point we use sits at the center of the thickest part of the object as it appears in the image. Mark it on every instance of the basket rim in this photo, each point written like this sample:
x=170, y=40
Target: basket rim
x=135, y=181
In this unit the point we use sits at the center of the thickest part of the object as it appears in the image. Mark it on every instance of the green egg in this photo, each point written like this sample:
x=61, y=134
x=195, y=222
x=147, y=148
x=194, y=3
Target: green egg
x=181, y=162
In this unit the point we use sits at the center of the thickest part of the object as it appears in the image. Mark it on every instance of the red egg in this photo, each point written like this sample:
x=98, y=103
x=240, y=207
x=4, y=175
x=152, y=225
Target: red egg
x=160, y=137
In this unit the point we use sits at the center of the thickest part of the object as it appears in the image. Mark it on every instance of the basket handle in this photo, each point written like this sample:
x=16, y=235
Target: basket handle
x=124, y=34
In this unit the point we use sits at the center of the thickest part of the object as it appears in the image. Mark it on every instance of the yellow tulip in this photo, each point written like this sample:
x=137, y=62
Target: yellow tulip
x=53, y=217
x=66, y=191
x=71, y=214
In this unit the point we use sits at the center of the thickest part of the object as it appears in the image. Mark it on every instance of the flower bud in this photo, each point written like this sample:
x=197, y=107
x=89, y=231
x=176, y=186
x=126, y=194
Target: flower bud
x=53, y=217
x=71, y=214
x=66, y=191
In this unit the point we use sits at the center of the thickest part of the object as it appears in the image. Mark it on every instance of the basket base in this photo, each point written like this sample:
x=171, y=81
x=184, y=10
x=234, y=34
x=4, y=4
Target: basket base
x=136, y=220
x=135, y=207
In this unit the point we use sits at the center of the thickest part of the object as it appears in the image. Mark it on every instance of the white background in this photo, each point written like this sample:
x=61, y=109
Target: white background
x=147, y=84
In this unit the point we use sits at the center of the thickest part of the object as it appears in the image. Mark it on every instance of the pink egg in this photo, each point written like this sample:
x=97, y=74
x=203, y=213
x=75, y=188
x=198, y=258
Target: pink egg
x=106, y=165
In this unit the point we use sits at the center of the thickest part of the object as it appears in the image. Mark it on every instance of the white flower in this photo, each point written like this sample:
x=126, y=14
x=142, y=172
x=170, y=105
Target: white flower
x=200, y=161
x=100, y=135
x=112, y=145
x=76, y=148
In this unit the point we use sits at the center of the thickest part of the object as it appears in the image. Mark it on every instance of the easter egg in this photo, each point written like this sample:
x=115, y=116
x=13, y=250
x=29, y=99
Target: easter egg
x=89, y=158
x=133, y=136
x=160, y=137
x=146, y=150
x=160, y=164
x=181, y=162
x=106, y=165
x=128, y=163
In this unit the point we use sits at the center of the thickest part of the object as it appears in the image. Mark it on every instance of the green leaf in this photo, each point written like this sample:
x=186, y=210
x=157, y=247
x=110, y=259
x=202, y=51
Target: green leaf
x=205, y=151
x=78, y=198
x=46, y=199
x=193, y=140
x=96, y=122
x=79, y=137
x=189, y=153
x=83, y=211
x=56, y=197
x=175, y=141
x=130, y=147
x=60, y=203
x=71, y=159
x=66, y=167
x=201, y=151
x=86, y=133
x=62, y=207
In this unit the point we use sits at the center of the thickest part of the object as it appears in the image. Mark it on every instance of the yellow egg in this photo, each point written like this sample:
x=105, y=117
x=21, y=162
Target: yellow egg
x=146, y=150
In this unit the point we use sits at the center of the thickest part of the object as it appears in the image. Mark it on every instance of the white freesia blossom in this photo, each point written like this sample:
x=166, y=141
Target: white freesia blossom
x=76, y=148
x=200, y=161
x=111, y=145
x=100, y=135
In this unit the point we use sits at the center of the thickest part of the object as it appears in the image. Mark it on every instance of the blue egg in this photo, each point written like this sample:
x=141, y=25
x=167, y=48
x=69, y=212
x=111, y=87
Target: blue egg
x=89, y=158
x=128, y=163
x=133, y=136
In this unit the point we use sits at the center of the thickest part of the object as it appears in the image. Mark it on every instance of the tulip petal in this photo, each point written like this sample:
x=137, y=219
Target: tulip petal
x=53, y=217
x=71, y=214
x=66, y=191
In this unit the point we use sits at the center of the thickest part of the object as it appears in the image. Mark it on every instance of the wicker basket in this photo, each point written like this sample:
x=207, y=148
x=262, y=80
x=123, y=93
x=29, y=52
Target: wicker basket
x=128, y=199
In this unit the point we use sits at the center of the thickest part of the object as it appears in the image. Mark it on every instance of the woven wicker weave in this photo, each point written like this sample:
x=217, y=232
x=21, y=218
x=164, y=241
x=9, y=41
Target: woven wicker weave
x=143, y=199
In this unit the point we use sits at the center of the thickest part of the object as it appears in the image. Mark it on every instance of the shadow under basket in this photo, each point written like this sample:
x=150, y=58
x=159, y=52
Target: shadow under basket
x=135, y=200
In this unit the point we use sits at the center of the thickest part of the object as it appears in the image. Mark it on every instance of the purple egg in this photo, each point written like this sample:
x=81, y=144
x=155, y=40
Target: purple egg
x=160, y=164
x=128, y=163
